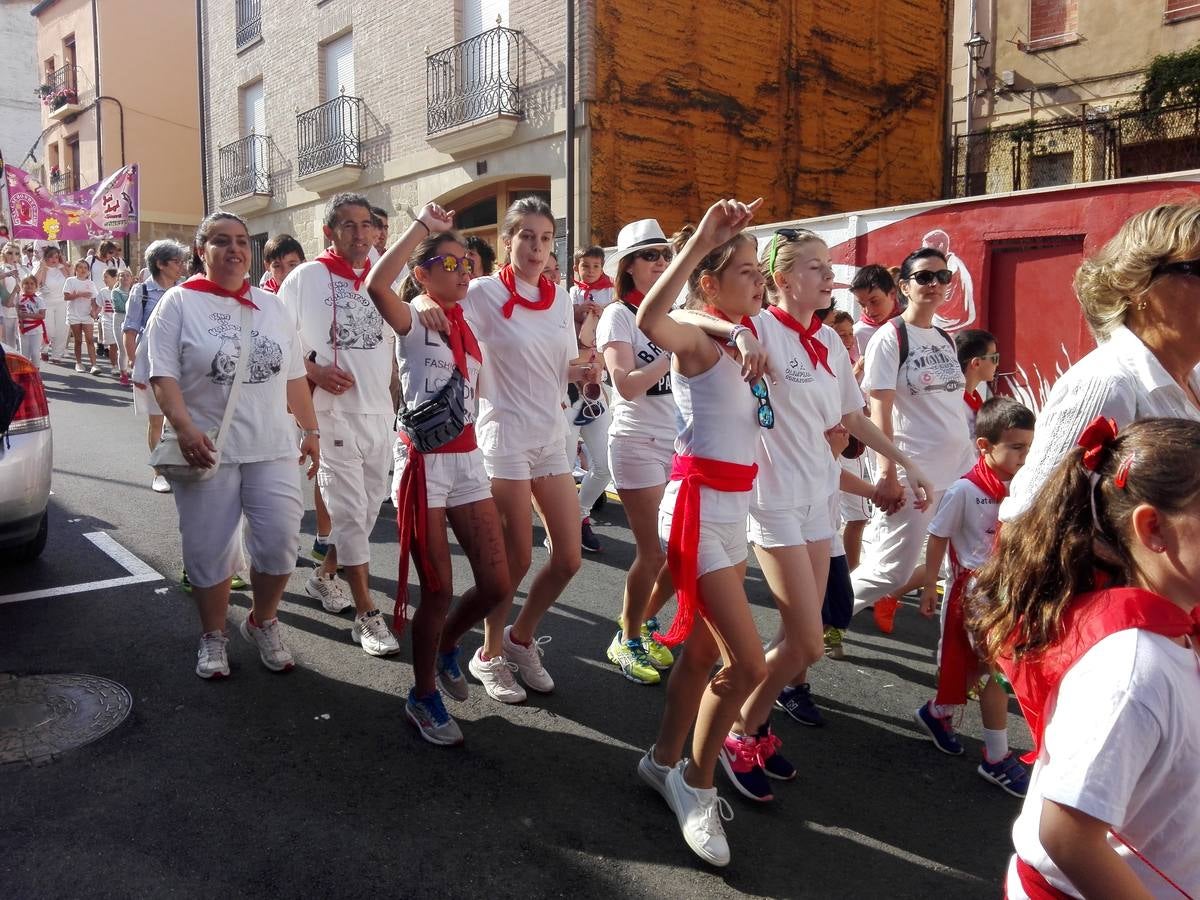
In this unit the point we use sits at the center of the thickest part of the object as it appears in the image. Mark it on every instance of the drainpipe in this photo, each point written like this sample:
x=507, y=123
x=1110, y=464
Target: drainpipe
x=570, y=137
x=96, y=65
x=203, y=110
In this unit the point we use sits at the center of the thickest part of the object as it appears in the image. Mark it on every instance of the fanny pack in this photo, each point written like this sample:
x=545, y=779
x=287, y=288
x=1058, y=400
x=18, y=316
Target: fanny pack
x=438, y=420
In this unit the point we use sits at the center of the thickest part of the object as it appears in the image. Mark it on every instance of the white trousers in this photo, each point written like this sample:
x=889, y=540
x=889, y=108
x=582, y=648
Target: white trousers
x=356, y=454
x=56, y=325
x=595, y=438
x=897, y=549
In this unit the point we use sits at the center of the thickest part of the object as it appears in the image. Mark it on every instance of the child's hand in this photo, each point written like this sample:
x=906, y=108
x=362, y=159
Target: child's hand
x=724, y=220
x=435, y=218
x=929, y=598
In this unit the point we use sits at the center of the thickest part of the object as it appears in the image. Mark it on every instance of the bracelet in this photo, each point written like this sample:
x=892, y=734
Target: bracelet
x=428, y=230
x=733, y=334
x=310, y=432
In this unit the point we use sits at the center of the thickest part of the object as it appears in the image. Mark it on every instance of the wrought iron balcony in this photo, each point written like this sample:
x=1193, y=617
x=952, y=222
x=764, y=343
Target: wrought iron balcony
x=475, y=79
x=245, y=169
x=330, y=135
x=249, y=21
x=1090, y=147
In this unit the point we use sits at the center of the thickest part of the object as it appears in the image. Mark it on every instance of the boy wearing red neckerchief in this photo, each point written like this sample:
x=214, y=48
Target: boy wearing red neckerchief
x=979, y=358
x=966, y=523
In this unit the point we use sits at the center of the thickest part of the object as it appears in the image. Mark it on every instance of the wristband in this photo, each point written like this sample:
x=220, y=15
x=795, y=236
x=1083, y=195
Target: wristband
x=428, y=230
x=310, y=432
x=733, y=334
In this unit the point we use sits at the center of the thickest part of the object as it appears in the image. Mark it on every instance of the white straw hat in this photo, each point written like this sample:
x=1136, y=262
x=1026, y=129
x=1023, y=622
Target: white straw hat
x=635, y=236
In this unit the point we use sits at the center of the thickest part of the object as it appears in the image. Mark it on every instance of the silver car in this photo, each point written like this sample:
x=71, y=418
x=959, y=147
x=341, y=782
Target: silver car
x=26, y=459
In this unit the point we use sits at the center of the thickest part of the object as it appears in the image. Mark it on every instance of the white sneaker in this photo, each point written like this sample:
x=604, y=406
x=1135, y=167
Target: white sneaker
x=653, y=773
x=371, y=631
x=79, y=367
x=699, y=813
x=213, y=659
x=96, y=370
x=328, y=590
x=160, y=485
x=529, y=661
x=271, y=649
x=496, y=674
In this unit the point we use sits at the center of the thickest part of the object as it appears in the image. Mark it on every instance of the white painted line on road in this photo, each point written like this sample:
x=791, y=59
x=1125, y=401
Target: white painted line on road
x=892, y=850
x=138, y=571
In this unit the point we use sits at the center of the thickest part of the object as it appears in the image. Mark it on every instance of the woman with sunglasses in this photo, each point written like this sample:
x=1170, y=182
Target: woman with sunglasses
x=445, y=485
x=915, y=385
x=1140, y=295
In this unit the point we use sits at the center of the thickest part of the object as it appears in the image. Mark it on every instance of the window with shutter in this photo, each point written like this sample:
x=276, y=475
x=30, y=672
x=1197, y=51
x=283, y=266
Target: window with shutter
x=339, y=67
x=480, y=15
x=1178, y=10
x=254, y=109
x=1052, y=23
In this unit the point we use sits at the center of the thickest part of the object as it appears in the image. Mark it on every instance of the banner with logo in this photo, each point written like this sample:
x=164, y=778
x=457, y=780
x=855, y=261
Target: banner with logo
x=105, y=210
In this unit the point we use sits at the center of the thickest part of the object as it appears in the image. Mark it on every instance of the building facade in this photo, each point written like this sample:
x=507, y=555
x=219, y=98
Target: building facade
x=119, y=80
x=1055, y=93
x=20, y=112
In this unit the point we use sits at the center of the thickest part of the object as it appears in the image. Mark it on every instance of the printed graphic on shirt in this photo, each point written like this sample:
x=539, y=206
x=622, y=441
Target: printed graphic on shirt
x=266, y=358
x=647, y=356
x=932, y=369
x=357, y=324
x=439, y=370
x=796, y=373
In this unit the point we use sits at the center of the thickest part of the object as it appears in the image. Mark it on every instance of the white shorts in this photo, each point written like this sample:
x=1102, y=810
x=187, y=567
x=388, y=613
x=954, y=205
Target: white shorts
x=722, y=544
x=108, y=328
x=789, y=527
x=210, y=513
x=525, y=465
x=451, y=479
x=638, y=463
x=356, y=453
x=74, y=318
x=144, y=403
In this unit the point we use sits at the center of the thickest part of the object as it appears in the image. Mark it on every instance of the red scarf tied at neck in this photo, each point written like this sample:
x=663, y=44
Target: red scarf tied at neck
x=818, y=353
x=271, y=286
x=461, y=339
x=633, y=299
x=598, y=285
x=985, y=478
x=973, y=400
x=200, y=283
x=745, y=321
x=869, y=320
x=340, y=266
x=546, y=293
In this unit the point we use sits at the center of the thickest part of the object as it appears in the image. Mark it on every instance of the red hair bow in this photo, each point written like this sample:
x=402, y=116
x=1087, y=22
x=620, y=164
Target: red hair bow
x=1095, y=439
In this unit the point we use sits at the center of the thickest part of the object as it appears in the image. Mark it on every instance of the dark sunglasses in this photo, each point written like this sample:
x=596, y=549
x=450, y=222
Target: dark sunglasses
x=654, y=255
x=1187, y=267
x=766, y=415
x=941, y=276
x=450, y=263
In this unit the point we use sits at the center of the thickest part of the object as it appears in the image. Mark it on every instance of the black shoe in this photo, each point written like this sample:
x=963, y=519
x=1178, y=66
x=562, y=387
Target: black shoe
x=798, y=703
x=588, y=539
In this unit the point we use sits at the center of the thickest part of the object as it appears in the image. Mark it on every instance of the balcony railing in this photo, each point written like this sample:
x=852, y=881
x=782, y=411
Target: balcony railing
x=61, y=88
x=474, y=79
x=1090, y=147
x=330, y=135
x=249, y=21
x=245, y=167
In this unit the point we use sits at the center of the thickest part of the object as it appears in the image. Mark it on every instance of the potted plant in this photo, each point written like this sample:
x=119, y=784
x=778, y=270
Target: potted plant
x=56, y=176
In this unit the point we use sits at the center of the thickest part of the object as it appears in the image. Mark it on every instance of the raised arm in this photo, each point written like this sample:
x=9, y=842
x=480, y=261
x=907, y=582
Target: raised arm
x=432, y=220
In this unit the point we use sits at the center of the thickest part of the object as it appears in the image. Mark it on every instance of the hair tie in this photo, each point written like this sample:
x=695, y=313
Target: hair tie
x=1096, y=438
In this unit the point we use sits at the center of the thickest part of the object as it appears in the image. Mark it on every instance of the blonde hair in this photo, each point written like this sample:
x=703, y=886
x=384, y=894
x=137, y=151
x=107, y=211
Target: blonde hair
x=786, y=252
x=1108, y=283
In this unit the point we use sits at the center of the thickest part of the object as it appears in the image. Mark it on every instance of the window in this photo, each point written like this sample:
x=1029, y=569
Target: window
x=1178, y=10
x=1052, y=23
x=254, y=109
x=480, y=16
x=258, y=243
x=338, y=63
x=249, y=22
x=71, y=176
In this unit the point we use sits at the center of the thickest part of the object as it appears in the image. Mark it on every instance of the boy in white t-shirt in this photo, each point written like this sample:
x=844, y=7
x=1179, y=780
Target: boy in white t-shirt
x=966, y=522
x=979, y=359
x=108, y=319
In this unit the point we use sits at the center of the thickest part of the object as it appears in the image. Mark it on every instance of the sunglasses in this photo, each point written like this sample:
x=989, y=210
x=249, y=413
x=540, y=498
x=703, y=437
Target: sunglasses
x=654, y=255
x=450, y=263
x=788, y=234
x=990, y=357
x=766, y=415
x=941, y=276
x=1187, y=267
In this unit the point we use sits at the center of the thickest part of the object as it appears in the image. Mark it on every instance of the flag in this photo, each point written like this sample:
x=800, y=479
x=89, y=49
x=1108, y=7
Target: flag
x=104, y=210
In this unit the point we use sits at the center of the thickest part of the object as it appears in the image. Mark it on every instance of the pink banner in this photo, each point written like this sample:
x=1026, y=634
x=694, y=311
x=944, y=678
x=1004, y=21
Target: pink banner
x=104, y=210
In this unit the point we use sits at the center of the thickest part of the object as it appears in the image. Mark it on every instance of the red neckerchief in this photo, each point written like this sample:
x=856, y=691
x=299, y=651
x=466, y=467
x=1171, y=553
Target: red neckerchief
x=985, y=478
x=598, y=285
x=818, y=353
x=633, y=299
x=28, y=325
x=271, y=286
x=868, y=320
x=973, y=400
x=461, y=339
x=546, y=292
x=694, y=473
x=713, y=311
x=1089, y=619
x=202, y=284
x=340, y=266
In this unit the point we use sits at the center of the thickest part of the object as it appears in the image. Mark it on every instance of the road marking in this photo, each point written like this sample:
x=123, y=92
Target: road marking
x=138, y=571
x=892, y=850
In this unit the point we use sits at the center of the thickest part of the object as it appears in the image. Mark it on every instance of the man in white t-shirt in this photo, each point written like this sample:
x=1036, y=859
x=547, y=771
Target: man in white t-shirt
x=104, y=258
x=348, y=355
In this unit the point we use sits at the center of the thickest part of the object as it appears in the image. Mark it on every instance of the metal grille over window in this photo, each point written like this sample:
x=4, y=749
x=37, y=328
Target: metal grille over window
x=474, y=79
x=330, y=135
x=249, y=21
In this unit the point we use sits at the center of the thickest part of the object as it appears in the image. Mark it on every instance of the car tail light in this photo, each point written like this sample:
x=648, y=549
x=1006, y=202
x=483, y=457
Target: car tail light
x=34, y=412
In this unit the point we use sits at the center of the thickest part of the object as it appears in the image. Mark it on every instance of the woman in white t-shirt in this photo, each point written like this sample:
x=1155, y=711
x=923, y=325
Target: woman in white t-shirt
x=80, y=293
x=1108, y=678
x=915, y=384
x=11, y=274
x=524, y=325
x=52, y=275
x=193, y=342
x=446, y=485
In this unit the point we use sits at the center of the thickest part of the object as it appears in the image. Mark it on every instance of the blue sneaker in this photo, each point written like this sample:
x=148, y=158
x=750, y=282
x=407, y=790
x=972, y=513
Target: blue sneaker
x=798, y=703
x=450, y=676
x=940, y=731
x=319, y=549
x=1008, y=774
x=739, y=759
x=429, y=716
x=770, y=758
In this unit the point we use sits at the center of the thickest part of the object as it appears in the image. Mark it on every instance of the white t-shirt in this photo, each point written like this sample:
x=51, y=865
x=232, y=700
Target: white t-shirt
x=1123, y=745
x=195, y=338
x=98, y=267
x=968, y=517
x=863, y=334
x=364, y=345
x=81, y=306
x=929, y=417
x=651, y=415
x=426, y=364
x=54, y=285
x=105, y=301
x=601, y=296
x=795, y=465
x=525, y=363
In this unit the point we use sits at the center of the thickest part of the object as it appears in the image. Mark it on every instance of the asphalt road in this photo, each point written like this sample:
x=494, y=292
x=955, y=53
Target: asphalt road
x=313, y=783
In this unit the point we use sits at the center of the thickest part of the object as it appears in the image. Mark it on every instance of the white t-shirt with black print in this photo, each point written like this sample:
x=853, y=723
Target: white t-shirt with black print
x=651, y=415
x=334, y=319
x=196, y=337
x=929, y=418
x=426, y=364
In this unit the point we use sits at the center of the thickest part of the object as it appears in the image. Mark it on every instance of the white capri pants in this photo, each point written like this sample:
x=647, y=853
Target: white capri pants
x=56, y=325
x=897, y=549
x=595, y=438
x=639, y=463
x=31, y=347
x=210, y=513
x=356, y=454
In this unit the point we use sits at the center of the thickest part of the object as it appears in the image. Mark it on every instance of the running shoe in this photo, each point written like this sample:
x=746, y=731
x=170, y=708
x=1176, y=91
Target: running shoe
x=660, y=654
x=653, y=773
x=884, y=612
x=1007, y=774
x=238, y=583
x=96, y=370
x=125, y=380
x=940, y=731
x=450, y=676
x=496, y=675
x=185, y=583
x=212, y=660
x=372, y=633
x=160, y=485
x=319, y=549
x=529, y=661
x=739, y=759
x=632, y=658
x=80, y=367
x=700, y=812
x=587, y=537
x=770, y=758
x=834, y=643
x=429, y=716
x=271, y=649
x=798, y=703
x=328, y=590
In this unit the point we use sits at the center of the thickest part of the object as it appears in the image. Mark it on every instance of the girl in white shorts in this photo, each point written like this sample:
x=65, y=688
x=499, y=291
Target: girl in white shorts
x=448, y=484
x=80, y=294
x=524, y=325
x=641, y=444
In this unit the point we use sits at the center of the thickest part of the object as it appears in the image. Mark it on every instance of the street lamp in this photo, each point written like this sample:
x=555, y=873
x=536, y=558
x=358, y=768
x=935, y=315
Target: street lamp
x=976, y=46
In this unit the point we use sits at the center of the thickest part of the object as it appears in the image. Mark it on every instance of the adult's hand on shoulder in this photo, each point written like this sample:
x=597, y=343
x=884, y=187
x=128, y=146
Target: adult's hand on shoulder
x=431, y=315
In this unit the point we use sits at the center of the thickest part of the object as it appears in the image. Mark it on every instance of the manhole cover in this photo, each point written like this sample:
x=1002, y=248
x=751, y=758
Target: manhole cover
x=42, y=716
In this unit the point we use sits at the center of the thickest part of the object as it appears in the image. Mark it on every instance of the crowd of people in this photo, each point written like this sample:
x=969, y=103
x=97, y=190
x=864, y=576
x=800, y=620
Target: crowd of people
x=714, y=383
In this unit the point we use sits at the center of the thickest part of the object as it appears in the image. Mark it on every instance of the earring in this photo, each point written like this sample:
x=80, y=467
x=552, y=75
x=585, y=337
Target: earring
x=1141, y=305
